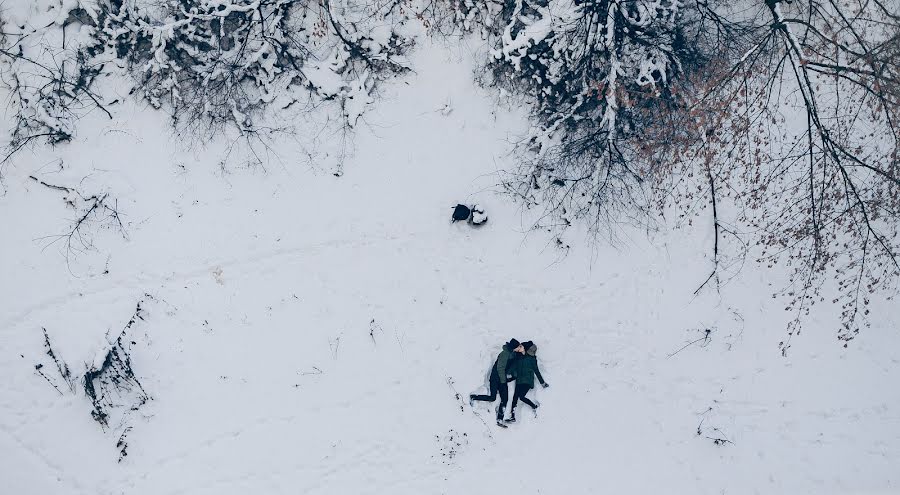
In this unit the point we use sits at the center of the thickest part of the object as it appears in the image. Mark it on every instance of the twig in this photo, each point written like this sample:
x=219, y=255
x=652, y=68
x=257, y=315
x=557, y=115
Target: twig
x=37, y=368
x=705, y=337
x=61, y=367
x=712, y=192
x=716, y=440
x=334, y=345
x=51, y=186
x=719, y=441
x=372, y=327
x=122, y=444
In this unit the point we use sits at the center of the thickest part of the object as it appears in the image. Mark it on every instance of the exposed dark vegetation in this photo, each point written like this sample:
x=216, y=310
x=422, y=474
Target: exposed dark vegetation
x=110, y=384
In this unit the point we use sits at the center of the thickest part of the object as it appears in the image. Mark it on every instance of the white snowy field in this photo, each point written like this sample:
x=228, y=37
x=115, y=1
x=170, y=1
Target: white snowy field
x=300, y=328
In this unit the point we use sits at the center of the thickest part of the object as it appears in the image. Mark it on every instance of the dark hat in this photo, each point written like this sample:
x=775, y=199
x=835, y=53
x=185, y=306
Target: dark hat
x=513, y=343
x=527, y=345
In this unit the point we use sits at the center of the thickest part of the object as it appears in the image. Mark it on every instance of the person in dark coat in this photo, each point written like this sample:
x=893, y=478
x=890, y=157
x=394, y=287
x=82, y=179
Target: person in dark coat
x=525, y=370
x=499, y=377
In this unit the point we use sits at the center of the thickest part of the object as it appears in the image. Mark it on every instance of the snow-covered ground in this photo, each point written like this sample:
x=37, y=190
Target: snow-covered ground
x=307, y=333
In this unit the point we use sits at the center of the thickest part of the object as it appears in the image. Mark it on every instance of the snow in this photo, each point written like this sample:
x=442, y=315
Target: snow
x=357, y=99
x=325, y=76
x=303, y=327
x=478, y=215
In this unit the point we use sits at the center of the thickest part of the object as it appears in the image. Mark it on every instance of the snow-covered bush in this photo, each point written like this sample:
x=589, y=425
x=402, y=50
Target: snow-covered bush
x=213, y=62
x=209, y=63
x=49, y=78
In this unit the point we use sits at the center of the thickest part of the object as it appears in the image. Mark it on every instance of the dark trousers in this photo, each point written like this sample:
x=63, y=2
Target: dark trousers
x=520, y=392
x=496, y=387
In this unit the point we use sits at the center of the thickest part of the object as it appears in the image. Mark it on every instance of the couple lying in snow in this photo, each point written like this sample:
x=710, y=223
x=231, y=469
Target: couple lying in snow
x=515, y=362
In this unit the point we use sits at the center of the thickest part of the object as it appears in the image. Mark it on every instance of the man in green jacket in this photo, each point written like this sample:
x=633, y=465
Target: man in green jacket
x=526, y=368
x=498, y=380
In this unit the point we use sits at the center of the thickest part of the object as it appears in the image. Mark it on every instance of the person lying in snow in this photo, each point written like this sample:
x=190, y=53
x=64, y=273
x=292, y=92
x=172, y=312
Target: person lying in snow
x=499, y=378
x=524, y=370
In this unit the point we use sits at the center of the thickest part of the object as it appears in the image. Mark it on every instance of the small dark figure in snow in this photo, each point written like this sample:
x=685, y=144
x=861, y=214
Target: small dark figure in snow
x=499, y=378
x=460, y=213
x=524, y=371
x=474, y=215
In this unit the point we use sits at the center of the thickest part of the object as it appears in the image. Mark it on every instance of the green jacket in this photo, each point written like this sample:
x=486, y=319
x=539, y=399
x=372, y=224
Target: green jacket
x=525, y=370
x=501, y=365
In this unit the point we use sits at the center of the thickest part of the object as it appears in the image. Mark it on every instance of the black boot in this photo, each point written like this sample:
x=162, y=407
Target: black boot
x=512, y=416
